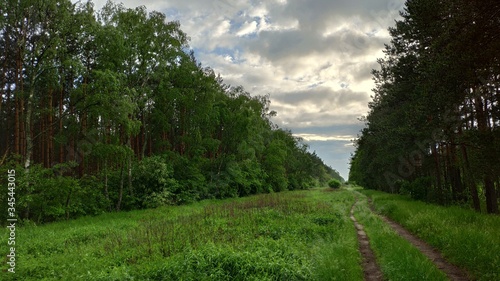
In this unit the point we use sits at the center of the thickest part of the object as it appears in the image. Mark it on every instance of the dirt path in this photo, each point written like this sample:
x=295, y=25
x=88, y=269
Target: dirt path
x=371, y=269
x=453, y=272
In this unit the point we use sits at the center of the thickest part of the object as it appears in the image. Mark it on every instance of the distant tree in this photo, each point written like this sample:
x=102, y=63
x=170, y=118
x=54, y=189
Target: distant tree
x=333, y=183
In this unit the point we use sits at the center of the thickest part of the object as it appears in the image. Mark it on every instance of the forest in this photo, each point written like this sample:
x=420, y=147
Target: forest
x=109, y=110
x=433, y=129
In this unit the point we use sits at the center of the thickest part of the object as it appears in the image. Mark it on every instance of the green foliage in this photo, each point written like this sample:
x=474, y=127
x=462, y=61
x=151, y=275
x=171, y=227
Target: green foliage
x=46, y=195
x=275, y=156
x=417, y=189
x=429, y=126
x=226, y=263
x=123, y=115
x=303, y=235
x=154, y=183
x=333, y=183
x=465, y=237
x=398, y=259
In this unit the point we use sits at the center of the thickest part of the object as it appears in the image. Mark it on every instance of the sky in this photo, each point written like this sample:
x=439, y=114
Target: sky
x=314, y=58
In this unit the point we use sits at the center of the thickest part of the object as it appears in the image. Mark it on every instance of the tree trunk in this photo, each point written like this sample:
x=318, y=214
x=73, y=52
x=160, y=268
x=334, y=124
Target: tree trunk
x=61, y=147
x=470, y=181
x=50, y=134
x=484, y=130
x=106, y=193
x=8, y=112
x=120, y=194
x=455, y=175
x=68, y=200
x=439, y=184
x=17, y=129
x=491, y=196
x=29, y=141
x=129, y=171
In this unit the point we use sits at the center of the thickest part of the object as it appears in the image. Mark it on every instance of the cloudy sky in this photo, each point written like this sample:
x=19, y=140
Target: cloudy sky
x=313, y=57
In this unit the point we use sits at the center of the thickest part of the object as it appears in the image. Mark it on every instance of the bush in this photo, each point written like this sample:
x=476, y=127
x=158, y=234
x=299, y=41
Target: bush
x=154, y=183
x=416, y=189
x=51, y=194
x=333, y=183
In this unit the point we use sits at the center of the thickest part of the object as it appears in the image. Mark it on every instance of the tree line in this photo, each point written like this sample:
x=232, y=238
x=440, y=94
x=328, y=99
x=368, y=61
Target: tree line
x=433, y=129
x=109, y=110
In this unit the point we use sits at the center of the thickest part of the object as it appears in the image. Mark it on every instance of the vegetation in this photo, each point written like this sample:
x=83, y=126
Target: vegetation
x=291, y=235
x=398, y=259
x=433, y=127
x=465, y=238
x=108, y=110
x=299, y=235
x=334, y=183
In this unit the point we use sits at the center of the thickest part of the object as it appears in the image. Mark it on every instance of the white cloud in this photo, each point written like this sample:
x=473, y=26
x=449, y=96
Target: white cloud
x=323, y=137
x=247, y=28
x=222, y=28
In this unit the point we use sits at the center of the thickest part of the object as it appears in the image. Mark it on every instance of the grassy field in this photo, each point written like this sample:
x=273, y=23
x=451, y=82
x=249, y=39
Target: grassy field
x=466, y=238
x=301, y=235
x=305, y=235
x=398, y=259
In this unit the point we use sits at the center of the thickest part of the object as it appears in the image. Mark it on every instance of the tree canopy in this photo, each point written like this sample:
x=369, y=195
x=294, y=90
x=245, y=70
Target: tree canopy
x=109, y=110
x=433, y=126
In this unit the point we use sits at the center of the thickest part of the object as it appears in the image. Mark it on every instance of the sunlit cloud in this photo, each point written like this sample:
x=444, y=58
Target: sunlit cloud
x=319, y=137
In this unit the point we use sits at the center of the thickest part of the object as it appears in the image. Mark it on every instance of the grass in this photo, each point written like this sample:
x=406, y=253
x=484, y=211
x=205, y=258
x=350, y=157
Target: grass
x=398, y=259
x=466, y=238
x=303, y=235
x=300, y=235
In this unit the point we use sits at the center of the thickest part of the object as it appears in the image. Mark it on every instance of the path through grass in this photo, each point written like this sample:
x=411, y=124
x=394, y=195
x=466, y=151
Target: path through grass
x=397, y=258
x=464, y=237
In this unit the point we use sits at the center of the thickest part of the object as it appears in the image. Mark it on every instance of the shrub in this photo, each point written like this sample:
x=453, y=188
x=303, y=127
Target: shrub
x=333, y=183
x=416, y=189
x=154, y=182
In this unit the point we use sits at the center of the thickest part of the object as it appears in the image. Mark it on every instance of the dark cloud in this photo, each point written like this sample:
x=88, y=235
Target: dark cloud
x=324, y=98
x=318, y=14
x=285, y=46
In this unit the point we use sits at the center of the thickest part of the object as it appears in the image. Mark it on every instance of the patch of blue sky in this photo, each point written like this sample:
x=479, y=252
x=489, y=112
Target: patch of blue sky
x=172, y=13
x=233, y=53
x=312, y=86
x=237, y=25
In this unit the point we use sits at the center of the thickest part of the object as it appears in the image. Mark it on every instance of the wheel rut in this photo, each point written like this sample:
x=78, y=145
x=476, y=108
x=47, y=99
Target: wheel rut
x=371, y=269
x=453, y=272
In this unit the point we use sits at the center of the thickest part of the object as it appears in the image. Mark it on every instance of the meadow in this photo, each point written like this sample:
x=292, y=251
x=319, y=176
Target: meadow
x=292, y=235
x=302, y=235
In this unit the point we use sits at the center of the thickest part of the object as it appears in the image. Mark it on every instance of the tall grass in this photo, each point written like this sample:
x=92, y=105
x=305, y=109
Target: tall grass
x=466, y=238
x=303, y=235
x=398, y=259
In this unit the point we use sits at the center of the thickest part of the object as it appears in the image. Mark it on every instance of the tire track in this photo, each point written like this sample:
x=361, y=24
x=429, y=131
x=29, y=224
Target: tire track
x=371, y=269
x=453, y=272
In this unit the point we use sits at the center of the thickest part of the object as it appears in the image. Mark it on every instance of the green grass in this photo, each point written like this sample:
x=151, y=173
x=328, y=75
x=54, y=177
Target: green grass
x=466, y=238
x=398, y=259
x=303, y=235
